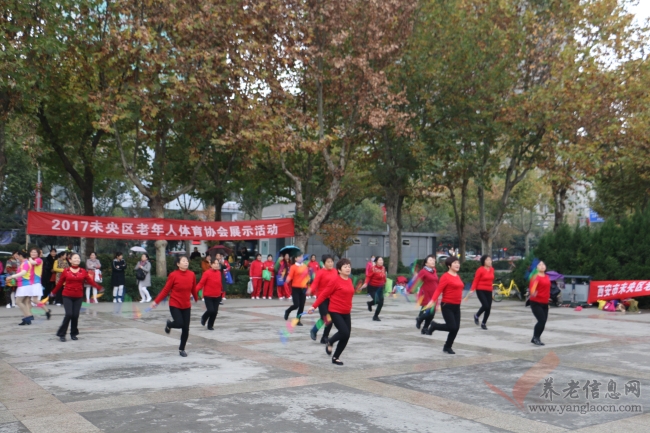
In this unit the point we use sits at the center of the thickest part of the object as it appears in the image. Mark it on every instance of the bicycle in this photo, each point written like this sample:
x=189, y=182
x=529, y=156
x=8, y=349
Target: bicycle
x=499, y=291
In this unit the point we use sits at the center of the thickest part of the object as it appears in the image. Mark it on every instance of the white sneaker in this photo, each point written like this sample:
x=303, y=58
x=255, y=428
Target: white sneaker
x=143, y=301
x=8, y=305
x=224, y=298
x=281, y=298
x=119, y=300
x=58, y=305
x=289, y=298
x=114, y=301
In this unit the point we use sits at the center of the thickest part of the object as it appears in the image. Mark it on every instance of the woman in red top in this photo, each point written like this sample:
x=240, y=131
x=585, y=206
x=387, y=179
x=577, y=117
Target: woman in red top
x=429, y=278
x=267, y=285
x=323, y=279
x=181, y=283
x=283, y=273
x=74, y=279
x=211, y=283
x=483, y=280
x=255, y=273
x=376, y=281
x=340, y=293
x=451, y=288
x=540, y=292
x=313, y=267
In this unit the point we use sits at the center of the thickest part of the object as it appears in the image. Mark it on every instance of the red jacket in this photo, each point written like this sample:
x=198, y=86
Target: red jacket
x=340, y=293
x=74, y=283
x=269, y=266
x=314, y=267
x=429, y=285
x=181, y=284
x=376, y=276
x=483, y=279
x=324, y=278
x=451, y=288
x=255, y=270
x=210, y=283
x=542, y=286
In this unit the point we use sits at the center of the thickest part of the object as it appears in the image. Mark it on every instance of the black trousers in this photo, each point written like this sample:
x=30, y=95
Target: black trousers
x=322, y=309
x=451, y=314
x=298, y=296
x=212, y=305
x=541, y=314
x=343, y=325
x=181, y=321
x=377, y=294
x=427, y=315
x=72, y=307
x=485, y=297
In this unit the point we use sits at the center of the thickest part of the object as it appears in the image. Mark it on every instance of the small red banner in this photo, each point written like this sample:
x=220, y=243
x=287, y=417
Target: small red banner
x=606, y=290
x=53, y=224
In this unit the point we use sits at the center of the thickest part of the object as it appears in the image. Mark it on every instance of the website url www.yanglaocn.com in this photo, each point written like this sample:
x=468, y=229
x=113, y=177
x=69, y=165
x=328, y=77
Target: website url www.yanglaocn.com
x=585, y=408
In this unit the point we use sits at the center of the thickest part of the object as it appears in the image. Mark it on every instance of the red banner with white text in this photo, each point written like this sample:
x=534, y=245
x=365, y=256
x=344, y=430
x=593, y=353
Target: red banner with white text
x=606, y=290
x=53, y=224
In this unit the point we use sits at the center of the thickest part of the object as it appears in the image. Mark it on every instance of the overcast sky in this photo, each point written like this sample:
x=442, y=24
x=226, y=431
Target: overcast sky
x=642, y=10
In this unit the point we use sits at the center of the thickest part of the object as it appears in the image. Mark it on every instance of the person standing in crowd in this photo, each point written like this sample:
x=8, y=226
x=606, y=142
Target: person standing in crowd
x=61, y=264
x=451, y=288
x=376, y=281
x=483, y=280
x=93, y=267
x=314, y=267
x=267, y=287
x=255, y=274
x=48, y=273
x=117, y=277
x=225, y=267
x=205, y=263
x=145, y=265
x=540, y=293
x=212, y=284
x=28, y=280
x=180, y=284
x=429, y=278
x=323, y=279
x=74, y=278
x=11, y=268
x=284, y=290
x=297, y=280
x=195, y=254
x=370, y=264
x=339, y=293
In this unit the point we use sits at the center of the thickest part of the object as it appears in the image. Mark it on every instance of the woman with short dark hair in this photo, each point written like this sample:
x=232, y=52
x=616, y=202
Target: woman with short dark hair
x=483, y=280
x=93, y=266
x=376, y=282
x=117, y=277
x=429, y=278
x=540, y=293
x=339, y=292
x=451, y=289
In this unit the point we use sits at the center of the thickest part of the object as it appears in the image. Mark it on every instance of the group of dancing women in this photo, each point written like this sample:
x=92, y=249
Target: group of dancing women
x=331, y=286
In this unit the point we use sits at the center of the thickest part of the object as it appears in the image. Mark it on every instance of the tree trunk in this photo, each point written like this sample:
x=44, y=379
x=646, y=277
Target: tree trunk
x=82, y=249
x=301, y=240
x=460, y=216
x=393, y=205
x=89, y=206
x=3, y=156
x=158, y=211
x=218, y=200
x=527, y=242
x=559, y=196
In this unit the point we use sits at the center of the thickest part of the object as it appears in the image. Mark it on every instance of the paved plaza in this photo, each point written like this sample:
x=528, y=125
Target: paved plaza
x=124, y=373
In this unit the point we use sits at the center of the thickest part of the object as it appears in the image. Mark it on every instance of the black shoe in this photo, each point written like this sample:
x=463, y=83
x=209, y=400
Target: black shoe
x=336, y=361
x=48, y=314
x=299, y=323
x=369, y=305
x=73, y=337
x=312, y=334
x=327, y=349
x=430, y=329
x=323, y=340
x=475, y=319
x=220, y=302
x=182, y=353
x=418, y=322
x=203, y=320
x=376, y=319
x=536, y=342
x=167, y=328
x=24, y=322
x=210, y=329
x=62, y=339
x=286, y=314
x=448, y=350
x=483, y=326
x=424, y=331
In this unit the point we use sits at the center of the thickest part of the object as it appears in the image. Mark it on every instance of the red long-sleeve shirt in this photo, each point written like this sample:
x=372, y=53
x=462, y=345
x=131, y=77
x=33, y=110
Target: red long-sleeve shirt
x=255, y=270
x=269, y=266
x=451, y=288
x=74, y=283
x=210, y=283
x=181, y=284
x=542, y=287
x=324, y=278
x=376, y=276
x=483, y=279
x=429, y=285
x=314, y=267
x=340, y=292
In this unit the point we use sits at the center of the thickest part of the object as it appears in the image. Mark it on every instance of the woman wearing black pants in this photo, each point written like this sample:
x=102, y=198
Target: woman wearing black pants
x=339, y=293
x=212, y=291
x=483, y=280
x=298, y=280
x=376, y=281
x=540, y=293
x=74, y=279
x=451, y=288
x=181, y=284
